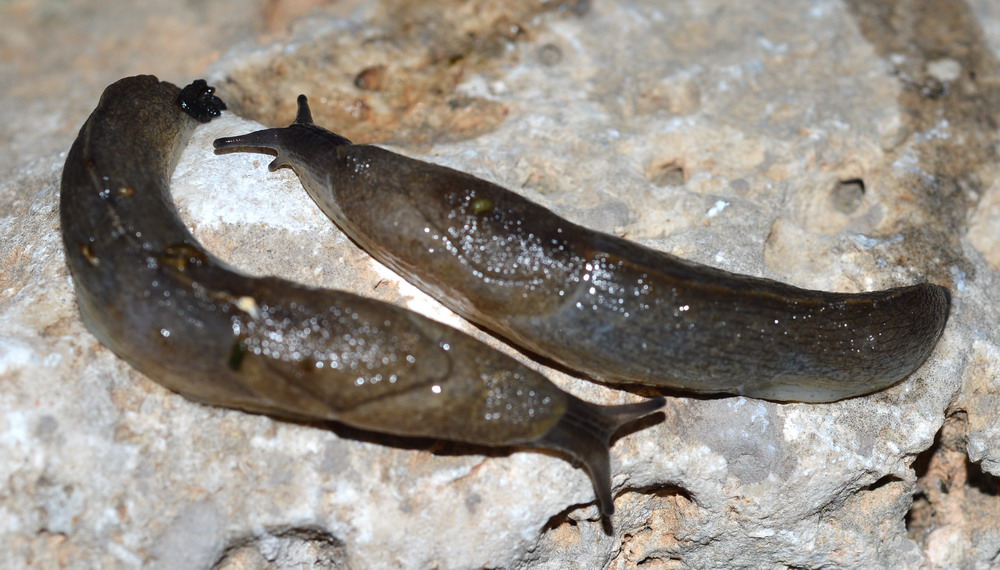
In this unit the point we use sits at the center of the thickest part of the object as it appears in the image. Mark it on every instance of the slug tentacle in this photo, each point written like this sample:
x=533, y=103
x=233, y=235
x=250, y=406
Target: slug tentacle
x=149, y=291
x=609, y=308
x=304, y=115
x=266, y=138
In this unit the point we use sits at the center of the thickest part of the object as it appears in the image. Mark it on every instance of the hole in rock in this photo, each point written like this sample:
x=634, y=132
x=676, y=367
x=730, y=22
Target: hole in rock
x=847, y=195
x=295, y=547
x=669, y=173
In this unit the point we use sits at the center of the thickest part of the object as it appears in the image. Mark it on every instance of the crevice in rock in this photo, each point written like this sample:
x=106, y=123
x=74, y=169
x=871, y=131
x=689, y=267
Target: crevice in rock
x=285, y=547
x=674, y=528
x=665, y=493
x=954, y=501
x=661, y=491
x=562, y=518
x=882, y=482
x=661, y=561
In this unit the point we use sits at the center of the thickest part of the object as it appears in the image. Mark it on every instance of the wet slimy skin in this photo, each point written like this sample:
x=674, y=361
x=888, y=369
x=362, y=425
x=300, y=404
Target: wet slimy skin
x=612, y=309
x=153, y=295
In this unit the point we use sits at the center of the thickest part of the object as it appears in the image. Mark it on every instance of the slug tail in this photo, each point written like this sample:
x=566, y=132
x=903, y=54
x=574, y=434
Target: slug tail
x=584, y=432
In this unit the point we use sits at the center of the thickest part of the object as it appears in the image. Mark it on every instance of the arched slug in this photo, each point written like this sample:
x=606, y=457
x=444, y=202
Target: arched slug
x=150, y=292
x=601, y=305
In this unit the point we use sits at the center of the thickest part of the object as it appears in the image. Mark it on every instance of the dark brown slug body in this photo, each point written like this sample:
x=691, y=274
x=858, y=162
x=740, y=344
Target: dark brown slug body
x=607, y=307
x=152, y=294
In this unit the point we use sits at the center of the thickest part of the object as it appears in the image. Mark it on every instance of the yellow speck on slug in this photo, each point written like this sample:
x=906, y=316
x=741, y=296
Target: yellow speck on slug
x=482, y=206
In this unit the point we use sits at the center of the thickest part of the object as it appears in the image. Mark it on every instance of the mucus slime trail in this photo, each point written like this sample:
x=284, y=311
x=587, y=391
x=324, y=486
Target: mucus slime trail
x=150, y=292
x=612, y=309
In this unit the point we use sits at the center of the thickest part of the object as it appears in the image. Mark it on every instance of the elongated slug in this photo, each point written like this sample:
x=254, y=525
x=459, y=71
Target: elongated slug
x=612, y=309
x=150, y=292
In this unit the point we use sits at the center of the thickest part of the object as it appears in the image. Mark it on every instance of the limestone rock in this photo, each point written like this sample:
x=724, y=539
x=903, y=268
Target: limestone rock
x=833, y=145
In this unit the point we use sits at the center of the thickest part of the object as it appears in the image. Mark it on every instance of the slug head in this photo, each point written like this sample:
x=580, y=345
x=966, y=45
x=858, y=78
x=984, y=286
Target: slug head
x=294, y=144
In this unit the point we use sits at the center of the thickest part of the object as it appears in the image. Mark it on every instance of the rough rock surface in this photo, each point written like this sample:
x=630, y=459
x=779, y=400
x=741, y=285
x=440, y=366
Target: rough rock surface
x=842, y=145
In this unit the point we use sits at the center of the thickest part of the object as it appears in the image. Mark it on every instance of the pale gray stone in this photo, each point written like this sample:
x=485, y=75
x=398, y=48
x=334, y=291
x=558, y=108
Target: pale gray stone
x=715, y=130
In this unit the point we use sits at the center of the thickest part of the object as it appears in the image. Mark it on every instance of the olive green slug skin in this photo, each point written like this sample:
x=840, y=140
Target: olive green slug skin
x=149, y=292
x=609, y=308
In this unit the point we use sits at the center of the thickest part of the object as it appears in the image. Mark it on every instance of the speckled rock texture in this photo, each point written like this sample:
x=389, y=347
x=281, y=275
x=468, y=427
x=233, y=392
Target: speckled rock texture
x=841, y=145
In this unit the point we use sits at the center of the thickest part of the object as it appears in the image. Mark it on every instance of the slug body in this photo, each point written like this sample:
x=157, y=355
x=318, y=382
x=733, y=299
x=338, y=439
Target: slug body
x=151, y=293
x=612, y=309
